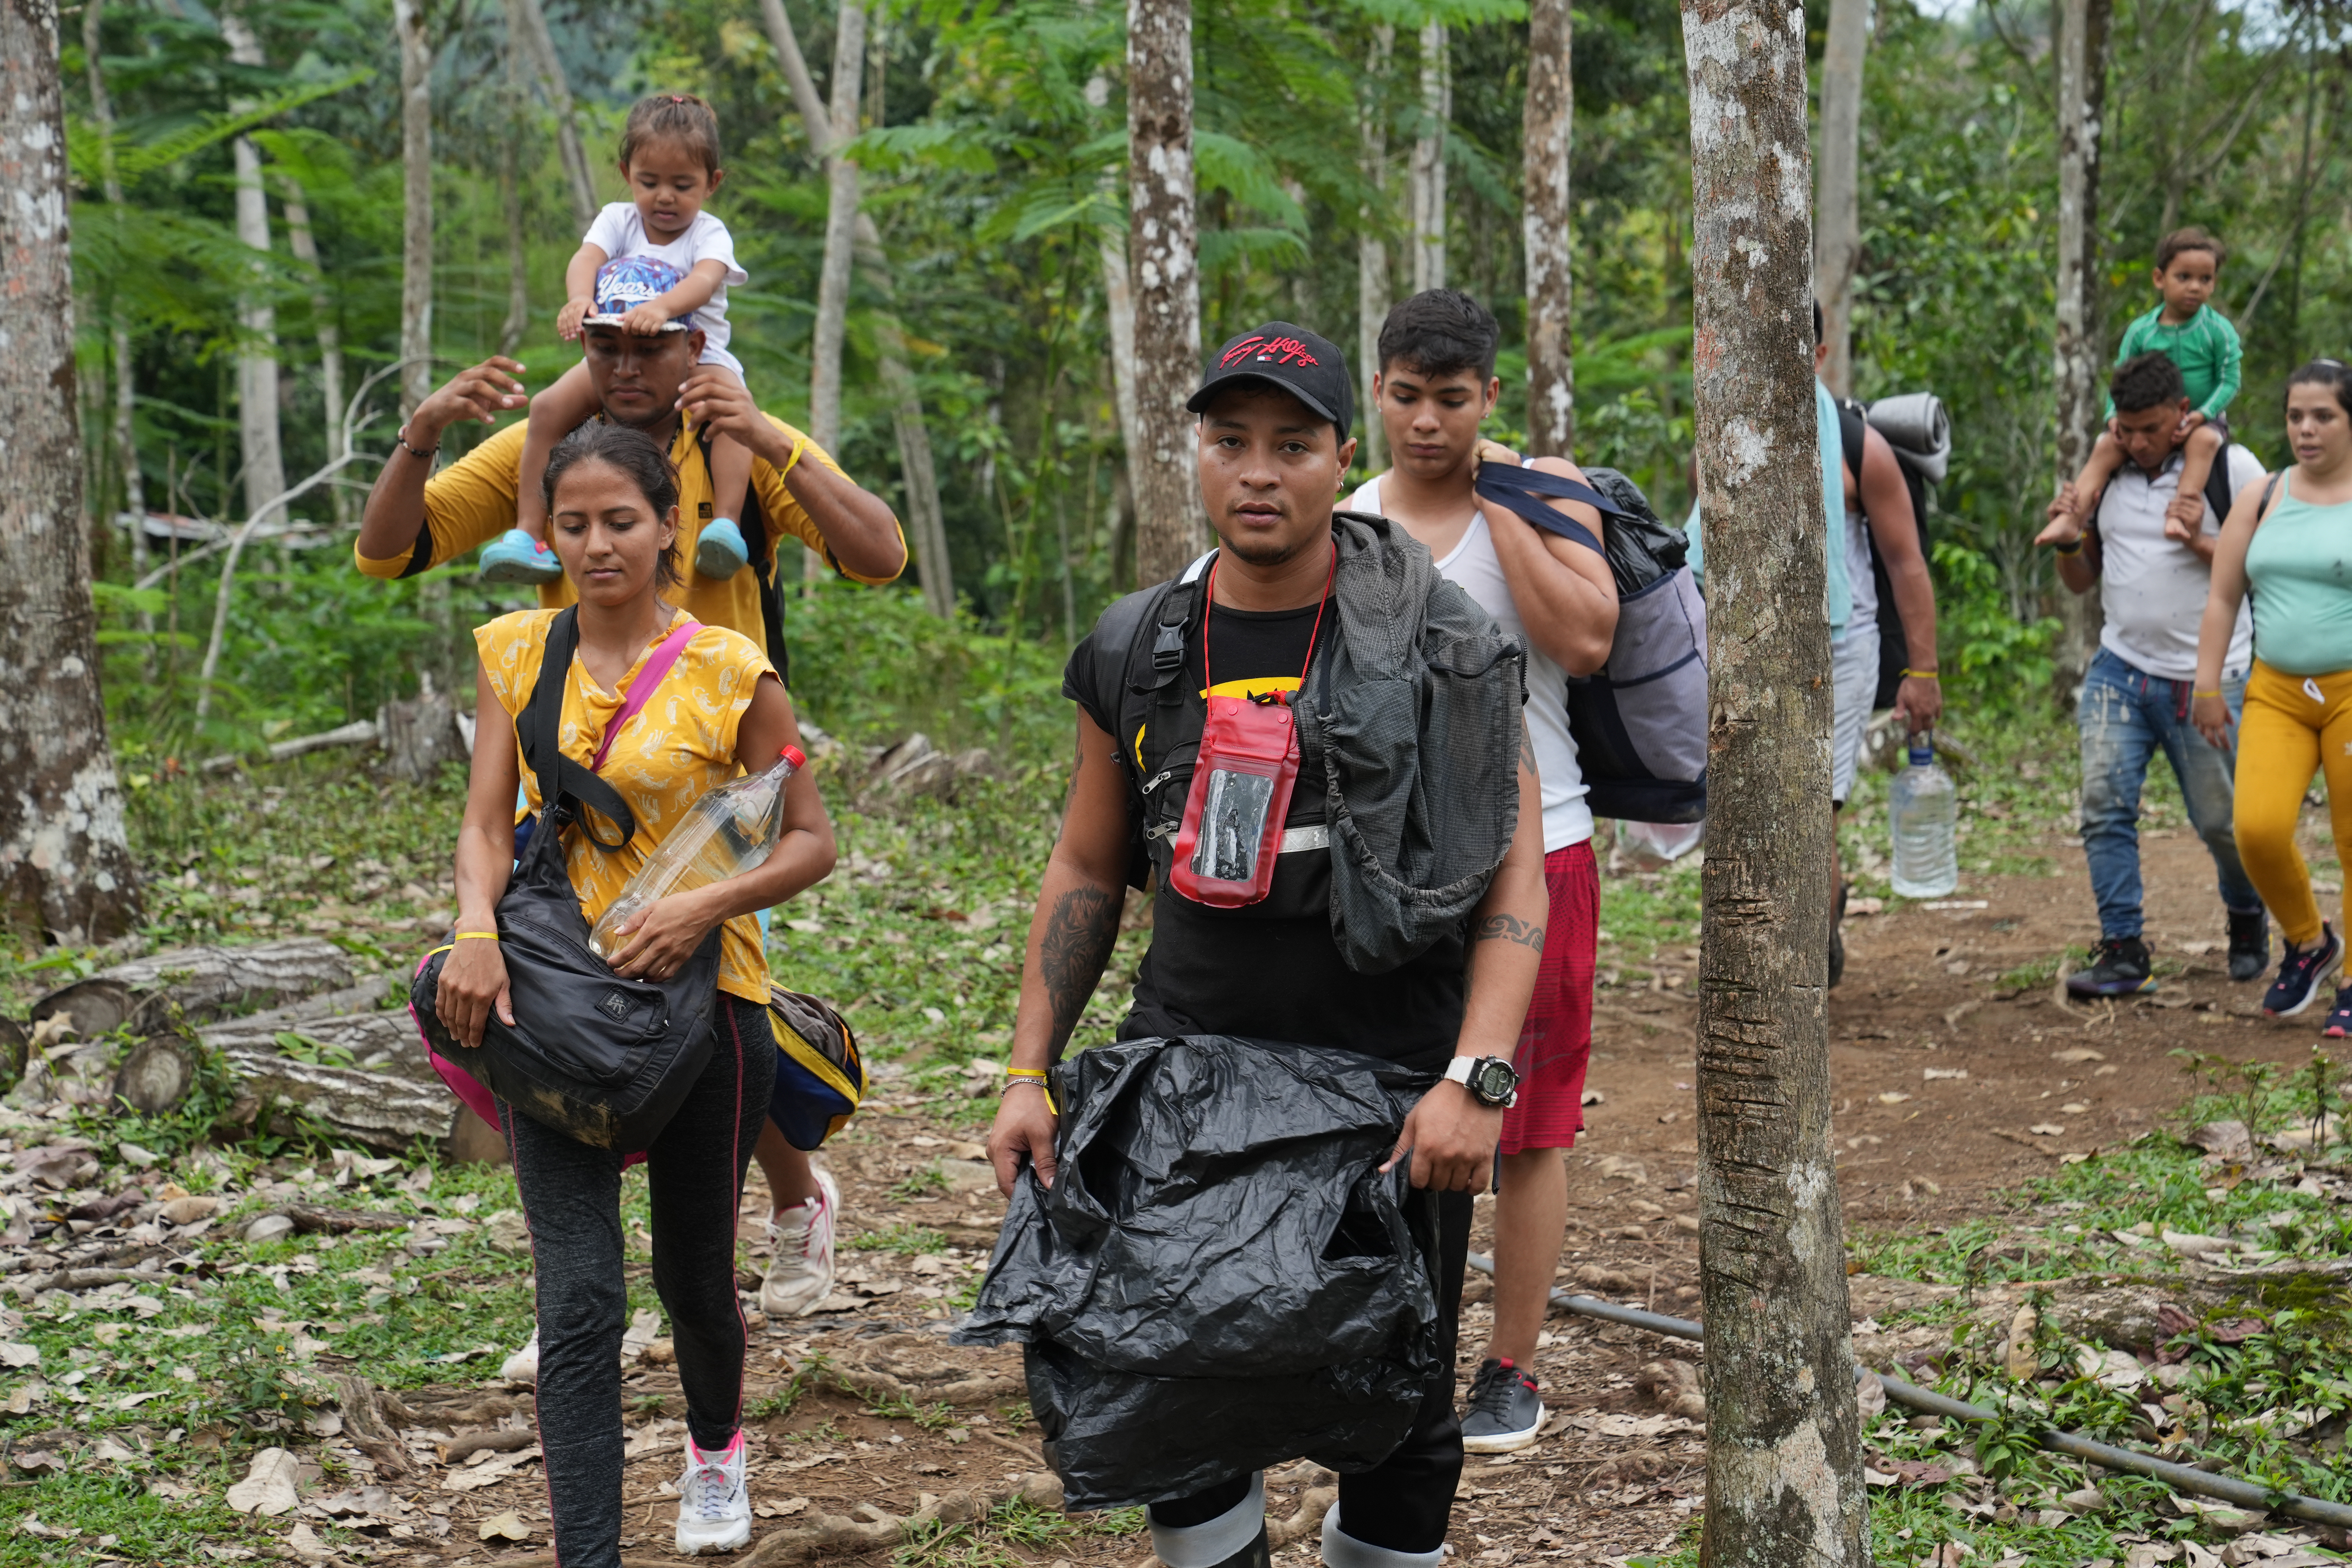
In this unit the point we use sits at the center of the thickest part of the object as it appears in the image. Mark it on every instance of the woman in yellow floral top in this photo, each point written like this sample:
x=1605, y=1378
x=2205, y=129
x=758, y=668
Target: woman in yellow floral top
x=613, y=497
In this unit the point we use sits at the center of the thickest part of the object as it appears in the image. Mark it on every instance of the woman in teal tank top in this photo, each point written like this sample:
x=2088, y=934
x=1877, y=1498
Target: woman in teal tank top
x=2289, y=543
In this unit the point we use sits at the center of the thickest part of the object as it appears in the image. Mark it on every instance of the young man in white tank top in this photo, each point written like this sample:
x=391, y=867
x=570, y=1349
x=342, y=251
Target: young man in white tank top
x=1436, y=382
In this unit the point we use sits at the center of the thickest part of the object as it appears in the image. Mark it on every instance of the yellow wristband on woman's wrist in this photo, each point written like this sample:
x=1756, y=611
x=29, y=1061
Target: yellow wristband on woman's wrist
x=1025, y=1072
x=477, y=936
x=2193, y=692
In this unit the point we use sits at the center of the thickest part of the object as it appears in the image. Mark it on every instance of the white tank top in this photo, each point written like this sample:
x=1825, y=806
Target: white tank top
x=1474, y=565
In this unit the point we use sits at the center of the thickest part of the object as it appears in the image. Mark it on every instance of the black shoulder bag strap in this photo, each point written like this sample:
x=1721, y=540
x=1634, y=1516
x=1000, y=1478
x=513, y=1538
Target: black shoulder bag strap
x=2219, y=493
x=754, y=524
x=1523, y=490
x=563, y=782
x=1853, y=440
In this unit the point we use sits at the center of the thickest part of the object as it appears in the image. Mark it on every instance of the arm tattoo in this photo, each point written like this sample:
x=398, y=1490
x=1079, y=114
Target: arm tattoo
x=1075, y=944
x=1509, y=928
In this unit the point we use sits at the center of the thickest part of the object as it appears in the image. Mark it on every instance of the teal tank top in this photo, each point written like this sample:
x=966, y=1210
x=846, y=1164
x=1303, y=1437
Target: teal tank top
x=2300, y=568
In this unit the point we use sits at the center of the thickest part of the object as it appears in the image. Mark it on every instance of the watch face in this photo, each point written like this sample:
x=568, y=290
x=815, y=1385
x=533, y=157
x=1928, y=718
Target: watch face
x=1492, y=1080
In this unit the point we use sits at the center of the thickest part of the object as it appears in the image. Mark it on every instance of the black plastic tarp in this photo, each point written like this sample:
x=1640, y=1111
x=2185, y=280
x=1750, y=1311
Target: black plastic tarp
x=1220, y=1277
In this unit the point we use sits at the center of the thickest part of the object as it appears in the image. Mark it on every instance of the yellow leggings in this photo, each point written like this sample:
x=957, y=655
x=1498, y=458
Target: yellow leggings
x=2286, y=735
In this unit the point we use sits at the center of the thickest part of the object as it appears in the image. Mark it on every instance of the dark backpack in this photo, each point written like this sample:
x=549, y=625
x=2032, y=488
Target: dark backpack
x=601, y=1059
x=1640, y=722
x=1922, y=446
x=754, y=524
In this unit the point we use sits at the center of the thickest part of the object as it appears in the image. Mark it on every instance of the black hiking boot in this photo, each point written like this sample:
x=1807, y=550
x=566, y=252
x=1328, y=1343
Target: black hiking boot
x=2250, y=944
x=2119, y=967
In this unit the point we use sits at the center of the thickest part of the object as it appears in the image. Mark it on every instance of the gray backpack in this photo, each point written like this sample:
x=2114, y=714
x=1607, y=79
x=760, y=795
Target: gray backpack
x=1640, y=722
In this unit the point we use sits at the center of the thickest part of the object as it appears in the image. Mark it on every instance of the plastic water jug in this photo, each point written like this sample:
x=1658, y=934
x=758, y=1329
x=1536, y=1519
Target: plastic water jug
x=1923, y=807
x=727, y=832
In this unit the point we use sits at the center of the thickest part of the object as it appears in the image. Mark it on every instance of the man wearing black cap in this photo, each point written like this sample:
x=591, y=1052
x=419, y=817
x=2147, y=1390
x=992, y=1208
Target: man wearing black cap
x=1404, y=914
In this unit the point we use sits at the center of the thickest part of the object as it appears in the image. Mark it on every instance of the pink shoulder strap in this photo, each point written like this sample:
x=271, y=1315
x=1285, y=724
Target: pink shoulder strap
x=641, y=691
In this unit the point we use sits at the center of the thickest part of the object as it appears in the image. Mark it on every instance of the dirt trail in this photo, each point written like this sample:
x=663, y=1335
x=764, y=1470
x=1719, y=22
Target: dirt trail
x=1921, y=1007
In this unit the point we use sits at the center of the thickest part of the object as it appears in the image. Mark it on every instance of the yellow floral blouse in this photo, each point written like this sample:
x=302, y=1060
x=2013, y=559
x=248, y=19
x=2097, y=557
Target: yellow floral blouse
x=679, y=744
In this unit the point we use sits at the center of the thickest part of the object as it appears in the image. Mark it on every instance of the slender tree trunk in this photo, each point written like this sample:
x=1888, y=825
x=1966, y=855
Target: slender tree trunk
x=1118, y=306
x=126, y=433
x=917, y=467
x=2082, y=33
x=1548, y=138
x=1783, y=1460
x=1372, y=240
x=256, y=355
x=1837, y=240
x=518, y=321
x=1163, y=245
x=840, y=227
x=304, y=246
x=1429, y=162
x=526, y=19
x=408, y=18
x=66, y=868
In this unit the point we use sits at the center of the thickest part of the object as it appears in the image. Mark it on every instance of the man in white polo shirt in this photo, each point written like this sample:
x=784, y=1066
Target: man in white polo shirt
x=2153, y=576
x=1436, y=382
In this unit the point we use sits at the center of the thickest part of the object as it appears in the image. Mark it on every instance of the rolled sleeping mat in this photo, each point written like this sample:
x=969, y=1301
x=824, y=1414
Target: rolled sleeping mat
x=1916, y=427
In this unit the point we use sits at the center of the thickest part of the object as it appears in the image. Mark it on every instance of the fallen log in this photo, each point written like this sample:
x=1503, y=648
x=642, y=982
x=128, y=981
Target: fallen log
x=373, y=1041
x=378, y=1108
x=202, y=982
x=156, y=1075
x=312, y=1219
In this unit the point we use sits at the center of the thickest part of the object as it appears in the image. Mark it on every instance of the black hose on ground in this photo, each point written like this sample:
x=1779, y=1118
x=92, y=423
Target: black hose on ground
x=1911, y=1397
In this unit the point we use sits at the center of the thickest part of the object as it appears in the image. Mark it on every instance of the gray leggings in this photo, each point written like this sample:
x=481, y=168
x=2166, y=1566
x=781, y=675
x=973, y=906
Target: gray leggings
x=571, y=1198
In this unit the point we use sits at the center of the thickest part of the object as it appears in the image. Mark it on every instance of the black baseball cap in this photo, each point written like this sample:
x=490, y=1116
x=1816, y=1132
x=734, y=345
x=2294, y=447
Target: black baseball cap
x=1284, y=354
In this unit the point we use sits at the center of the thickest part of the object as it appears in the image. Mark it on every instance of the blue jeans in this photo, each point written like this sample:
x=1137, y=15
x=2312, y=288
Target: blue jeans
x=2124, y=715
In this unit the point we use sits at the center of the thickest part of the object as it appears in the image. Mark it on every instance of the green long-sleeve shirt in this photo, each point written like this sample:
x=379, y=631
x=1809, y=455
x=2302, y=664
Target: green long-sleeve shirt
x=2205, y=347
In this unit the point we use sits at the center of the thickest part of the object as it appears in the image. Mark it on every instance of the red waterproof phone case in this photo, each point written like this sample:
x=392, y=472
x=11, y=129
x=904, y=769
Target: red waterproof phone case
x=1231, y=832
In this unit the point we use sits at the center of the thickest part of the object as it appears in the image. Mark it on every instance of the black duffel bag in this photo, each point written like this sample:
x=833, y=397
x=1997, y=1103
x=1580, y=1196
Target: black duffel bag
x=1220, y=1277
x=596, y=1056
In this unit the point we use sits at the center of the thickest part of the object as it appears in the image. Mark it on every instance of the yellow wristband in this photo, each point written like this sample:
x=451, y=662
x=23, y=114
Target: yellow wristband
x=478, y=936
x=799, y=445
x=2193, y=692
x=1025, y=1072
x=1918, y=675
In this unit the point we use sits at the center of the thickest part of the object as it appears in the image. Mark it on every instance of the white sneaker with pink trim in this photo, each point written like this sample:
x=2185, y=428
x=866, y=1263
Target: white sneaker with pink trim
x=714, y=1507
x=799, y=1274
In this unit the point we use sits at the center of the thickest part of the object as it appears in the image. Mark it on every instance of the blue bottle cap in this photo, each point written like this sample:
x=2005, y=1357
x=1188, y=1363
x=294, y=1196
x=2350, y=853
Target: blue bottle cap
x=1922, y=753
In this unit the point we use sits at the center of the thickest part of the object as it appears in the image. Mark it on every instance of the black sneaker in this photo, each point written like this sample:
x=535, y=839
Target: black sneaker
x=1505, y=1415
x=2301, y=969
x=2119, y=967
x=2250, y=944
x=2339, y=1017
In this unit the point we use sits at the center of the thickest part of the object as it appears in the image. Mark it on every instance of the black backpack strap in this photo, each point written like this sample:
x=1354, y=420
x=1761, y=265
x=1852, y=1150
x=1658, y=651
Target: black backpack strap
x=2218, y=494
x=754, y=524
x=1853, y=438
x=563, y=783
x=1523, y=490
x=1169, y=629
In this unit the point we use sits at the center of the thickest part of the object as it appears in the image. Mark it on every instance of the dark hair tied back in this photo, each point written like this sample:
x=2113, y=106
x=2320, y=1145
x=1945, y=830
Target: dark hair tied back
x=638, y=458
x=2331, y=373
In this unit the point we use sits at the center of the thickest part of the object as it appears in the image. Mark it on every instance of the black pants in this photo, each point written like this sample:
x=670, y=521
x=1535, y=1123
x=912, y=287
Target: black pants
x=1405, y=1504
x=571, y=1198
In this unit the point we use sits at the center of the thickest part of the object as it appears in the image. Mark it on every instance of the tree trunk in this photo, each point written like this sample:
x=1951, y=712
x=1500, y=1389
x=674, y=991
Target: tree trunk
x=416, y=230
x=65, y=869
x=917, y=465
x=1783, y=1464
x=525, y=18
x=518, y=321
x=1548, y=137
x=1429, y=162
x=304, y=246
x=1372, y=240
x=1163, y=246
x=840, y=229
x=1119, y=307
x=1837, y=240
x=2082, y=96
x=126, y=433
x=257, y=355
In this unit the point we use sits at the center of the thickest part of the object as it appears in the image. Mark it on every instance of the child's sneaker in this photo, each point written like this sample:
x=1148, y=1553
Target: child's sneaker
x=2300, y=971
x=714, y=1508
x=720, y=552
x=515, y=556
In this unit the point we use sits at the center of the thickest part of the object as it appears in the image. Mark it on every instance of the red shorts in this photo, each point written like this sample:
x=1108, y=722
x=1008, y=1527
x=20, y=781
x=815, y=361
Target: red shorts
x=1555, y=1042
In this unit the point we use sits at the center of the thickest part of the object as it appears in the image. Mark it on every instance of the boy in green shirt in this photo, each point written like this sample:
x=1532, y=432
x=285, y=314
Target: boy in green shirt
x=2201, y=342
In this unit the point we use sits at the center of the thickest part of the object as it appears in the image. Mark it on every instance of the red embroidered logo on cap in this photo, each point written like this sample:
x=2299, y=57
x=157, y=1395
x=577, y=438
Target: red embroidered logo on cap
x=1280, y=351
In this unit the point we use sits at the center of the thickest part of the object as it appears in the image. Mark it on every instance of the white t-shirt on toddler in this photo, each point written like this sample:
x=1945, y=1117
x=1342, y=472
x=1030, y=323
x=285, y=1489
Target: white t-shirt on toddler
x=619, y=231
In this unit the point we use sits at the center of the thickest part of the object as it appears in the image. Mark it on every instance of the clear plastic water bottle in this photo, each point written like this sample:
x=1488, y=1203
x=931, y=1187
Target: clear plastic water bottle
x=1923, y=807
x=727, y=832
